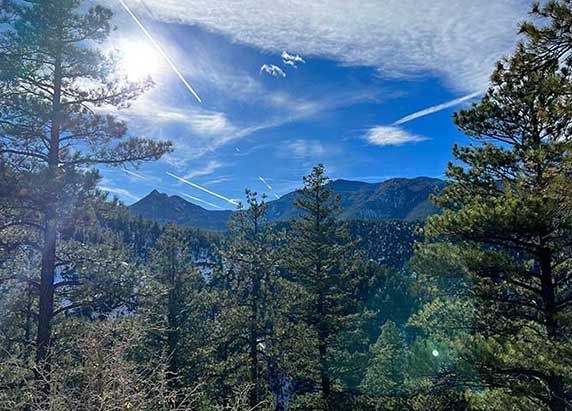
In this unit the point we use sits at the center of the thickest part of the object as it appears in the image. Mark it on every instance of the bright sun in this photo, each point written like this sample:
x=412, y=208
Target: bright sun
x=139, y=61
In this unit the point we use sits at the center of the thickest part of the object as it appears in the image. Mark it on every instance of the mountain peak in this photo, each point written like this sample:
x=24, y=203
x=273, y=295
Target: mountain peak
x=155, y=193
x=162, y=208
x=393, y=199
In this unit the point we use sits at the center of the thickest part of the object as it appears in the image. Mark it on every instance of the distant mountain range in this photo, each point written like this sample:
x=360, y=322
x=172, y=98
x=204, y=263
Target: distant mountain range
x=395, y=199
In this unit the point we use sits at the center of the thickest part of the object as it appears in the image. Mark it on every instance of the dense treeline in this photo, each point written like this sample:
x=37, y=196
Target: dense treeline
x=101, y=311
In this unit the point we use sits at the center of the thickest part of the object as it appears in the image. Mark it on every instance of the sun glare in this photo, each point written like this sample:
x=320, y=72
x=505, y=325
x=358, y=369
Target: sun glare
x=139, y=61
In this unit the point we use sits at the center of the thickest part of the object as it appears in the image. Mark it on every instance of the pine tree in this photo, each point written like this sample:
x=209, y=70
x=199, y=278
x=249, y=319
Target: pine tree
x=320, y=255
x=503, y=208
x=550, y=40
x=171, y=262
x=385, y=375
x=251, y=285
x=52, y=82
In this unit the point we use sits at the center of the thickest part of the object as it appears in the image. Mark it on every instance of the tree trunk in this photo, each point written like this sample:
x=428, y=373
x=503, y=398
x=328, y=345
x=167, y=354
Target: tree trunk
x=323, y=352
x=46, y=300
x=557, y=400
x=324, y=375
x=253, y=346
x=46, y=304
x=172, y=326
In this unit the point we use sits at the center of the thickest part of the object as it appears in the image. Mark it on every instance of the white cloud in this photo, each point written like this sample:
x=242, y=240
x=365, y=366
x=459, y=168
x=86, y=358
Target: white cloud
x=292, y=59
x=193, y=131
x=457, y=40
x=272, y=70
x=209, y=168
x=217, y=180
x=305, y=148
x=210, y=123
x=437, y=108
x=120, y=192
x=391, y=136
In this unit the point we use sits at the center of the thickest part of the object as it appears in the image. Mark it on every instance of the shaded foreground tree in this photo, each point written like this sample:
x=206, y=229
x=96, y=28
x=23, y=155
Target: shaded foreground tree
x=319, y=258
x=178, y=282
x=505, y=212
x=249, y=288
x=53, y=81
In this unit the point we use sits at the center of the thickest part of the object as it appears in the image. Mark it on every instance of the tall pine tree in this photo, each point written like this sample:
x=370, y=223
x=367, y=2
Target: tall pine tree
x=503, y=207
x=53, y=79
x=320, y=255
x=250, y=283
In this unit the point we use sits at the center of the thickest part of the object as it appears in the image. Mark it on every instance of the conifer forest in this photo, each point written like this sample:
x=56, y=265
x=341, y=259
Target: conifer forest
x=395, y=293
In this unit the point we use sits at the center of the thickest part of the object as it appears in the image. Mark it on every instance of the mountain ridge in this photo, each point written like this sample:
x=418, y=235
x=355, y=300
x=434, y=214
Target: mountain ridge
x=404, y=199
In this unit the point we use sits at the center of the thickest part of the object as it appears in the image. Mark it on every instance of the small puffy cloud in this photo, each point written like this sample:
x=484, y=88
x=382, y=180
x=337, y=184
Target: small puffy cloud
x=391, y=136
x=292, y=59
x=272, y=70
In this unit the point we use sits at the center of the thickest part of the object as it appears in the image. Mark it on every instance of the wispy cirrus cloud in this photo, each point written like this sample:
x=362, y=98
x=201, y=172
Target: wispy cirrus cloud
x=121, y=192
x=210, y=123
x=303, y=148
x=391, y=136
x=272, y=70
x=457, y=40
x=206, y=170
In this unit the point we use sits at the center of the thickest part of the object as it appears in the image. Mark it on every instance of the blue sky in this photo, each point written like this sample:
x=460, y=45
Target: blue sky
x=367, y=87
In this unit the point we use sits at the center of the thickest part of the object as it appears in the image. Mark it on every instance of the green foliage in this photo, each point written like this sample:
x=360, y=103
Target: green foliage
x=386, y=372
x=499, y=255
x=313, y=314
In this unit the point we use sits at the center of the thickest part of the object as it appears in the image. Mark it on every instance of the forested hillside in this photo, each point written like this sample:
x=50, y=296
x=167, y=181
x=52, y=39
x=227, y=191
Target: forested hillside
x=340, y=296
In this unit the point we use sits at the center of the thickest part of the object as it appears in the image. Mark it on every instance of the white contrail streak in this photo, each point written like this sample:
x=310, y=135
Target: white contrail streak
x=201, y=201
x=434, y=109
x=120, y=191
x=136, y=175
x=265, y=183
x=268, y=186
x=182, y=180
x=160, y=50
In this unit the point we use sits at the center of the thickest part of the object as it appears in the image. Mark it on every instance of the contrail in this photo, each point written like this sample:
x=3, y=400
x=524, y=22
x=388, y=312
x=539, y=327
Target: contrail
x=137, y=175
x=268, y=185
x=434, y=109
x=265, y=183
x=120, y=191
x=199, y=200
x=160, y=50
x=233, y=202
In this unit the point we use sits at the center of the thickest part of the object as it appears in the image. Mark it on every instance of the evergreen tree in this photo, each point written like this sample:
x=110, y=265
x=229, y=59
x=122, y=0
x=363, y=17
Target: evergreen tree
x=320, y=256
x=503, y=208
x=171, y=262
x=52, y=82
x=386, y=373
x=551, y=40
x=251, y=287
